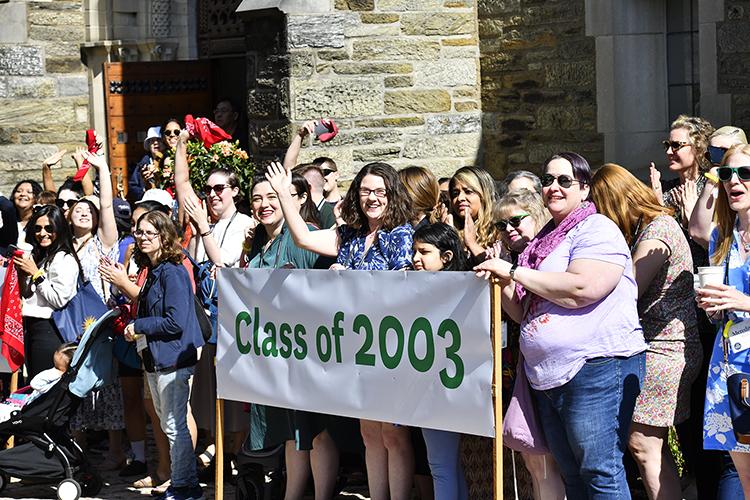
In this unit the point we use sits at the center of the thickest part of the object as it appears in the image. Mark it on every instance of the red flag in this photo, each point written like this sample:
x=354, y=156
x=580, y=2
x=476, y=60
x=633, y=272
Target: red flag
x=11, y=322
x=93, y=148
x=205, y=131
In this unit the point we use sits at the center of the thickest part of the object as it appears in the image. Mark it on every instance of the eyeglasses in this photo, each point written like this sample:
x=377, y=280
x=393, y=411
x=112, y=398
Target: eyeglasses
x=564, y=181
x=327, y=172
x=65, y=204
x=379, y=192
x=725, y=173
x=48, y=228
x=674, y=145
x=294, y=194
x=149, y=235
x=715, y=154
x=175, y=132
x=217, y=188
x=514, y=221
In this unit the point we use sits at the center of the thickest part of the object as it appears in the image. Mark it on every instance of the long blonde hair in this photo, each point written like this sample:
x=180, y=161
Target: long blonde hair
x=481, y=182
x=619, y=195
x=724, y=215
x=699, y=130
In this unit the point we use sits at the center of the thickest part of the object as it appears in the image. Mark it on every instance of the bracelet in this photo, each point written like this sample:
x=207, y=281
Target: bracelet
x=37, y=274
x=512, y=271
x=247, y=248
x=203, y=235
x=711, y=177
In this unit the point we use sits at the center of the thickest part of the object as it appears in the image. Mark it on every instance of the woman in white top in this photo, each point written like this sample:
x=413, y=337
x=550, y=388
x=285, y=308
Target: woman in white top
x=48, y=278
x=219, y=233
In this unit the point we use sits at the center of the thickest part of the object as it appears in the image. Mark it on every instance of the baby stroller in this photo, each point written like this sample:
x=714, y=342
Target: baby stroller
x=48, y=452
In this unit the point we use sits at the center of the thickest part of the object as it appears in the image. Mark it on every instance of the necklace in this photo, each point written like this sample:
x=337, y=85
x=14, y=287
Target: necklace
x=745, y=239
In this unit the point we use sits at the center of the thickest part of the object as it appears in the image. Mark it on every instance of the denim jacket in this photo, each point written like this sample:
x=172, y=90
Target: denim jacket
x=166, y=315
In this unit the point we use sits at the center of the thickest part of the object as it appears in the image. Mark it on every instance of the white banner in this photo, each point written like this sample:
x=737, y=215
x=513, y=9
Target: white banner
x=411, y=348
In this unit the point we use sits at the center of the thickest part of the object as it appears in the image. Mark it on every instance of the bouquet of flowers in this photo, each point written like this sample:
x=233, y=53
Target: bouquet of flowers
x=163, y=171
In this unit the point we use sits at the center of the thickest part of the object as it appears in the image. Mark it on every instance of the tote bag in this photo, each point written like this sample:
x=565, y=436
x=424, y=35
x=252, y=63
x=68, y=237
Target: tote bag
x=82, y=310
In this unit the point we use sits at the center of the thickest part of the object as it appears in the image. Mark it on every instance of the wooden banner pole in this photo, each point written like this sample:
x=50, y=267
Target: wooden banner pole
x=497, y=386
x=219, y=457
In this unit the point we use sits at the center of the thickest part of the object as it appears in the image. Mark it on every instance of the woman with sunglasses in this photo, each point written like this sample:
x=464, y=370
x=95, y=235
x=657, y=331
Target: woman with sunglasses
x=663, y=270
x=701, y=221
x=377, y=235
x=170, y=132
x=520, y=215
x=472, y=192
x=218, y=236
x=48, y=279
x=574, y=294
x=728, y=248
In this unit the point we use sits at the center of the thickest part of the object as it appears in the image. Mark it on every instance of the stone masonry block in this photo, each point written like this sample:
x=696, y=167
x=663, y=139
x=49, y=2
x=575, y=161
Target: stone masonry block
x=31, y=87
x=59, y=34
x=371, y=68
x=336, y=98
x=398, y=81
x=263, y=104
x=14, y=22
x=21, y=61
x=370, y=18
x=381, y=153
x=318, y=31
x=446, y=73
x=408, y=5
x=437, y=24
x=570, y=74
x=396, y=49
x=355, y=4
x=453, y=123
x=302, y=64
x=400, y=122
x=449, y=146
x=74, y=85
x=417, y=101
x=372, y=30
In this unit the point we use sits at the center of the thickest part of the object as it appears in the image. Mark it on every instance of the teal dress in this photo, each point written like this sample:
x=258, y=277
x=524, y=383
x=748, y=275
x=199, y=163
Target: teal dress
x=271, y=426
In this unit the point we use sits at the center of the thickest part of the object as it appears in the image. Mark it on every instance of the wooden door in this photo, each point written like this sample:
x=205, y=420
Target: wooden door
x=140, y=95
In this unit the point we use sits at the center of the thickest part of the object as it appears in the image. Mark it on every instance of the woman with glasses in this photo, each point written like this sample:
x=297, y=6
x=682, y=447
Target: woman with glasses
x=663, y=270
x=472, y=193
x=574, y=294
x=170, y=132
x=729, y=248
x=48, y=279
x=167, y=331
x=520, y=215
x=701, y=221
x=218, y=235
x=377, y=235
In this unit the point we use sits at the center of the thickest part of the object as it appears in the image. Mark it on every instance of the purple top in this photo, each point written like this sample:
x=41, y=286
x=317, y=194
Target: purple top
x=556, y=341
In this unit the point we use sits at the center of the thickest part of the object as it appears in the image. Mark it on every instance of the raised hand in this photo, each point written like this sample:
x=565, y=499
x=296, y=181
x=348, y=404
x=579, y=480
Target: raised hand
x=54, y=158
x=655, y=178
x=96, y=161
x=689, y=199
x=307, y=128
x=470, y=230
x=279, y=177
x=197, y=213
x=78, y=156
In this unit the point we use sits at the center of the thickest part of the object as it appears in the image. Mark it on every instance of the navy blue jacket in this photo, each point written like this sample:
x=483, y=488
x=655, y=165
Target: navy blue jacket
x=166, y=315
x=136, y=184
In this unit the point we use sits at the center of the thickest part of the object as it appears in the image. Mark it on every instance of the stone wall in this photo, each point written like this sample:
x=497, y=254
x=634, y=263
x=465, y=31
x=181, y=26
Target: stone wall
x=538, y=83
x=43, y=87
x=733, y=53
x=400, y=77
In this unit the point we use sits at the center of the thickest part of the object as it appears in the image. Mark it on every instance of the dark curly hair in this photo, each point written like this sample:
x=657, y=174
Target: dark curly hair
x=171, y=250
x=398, y=211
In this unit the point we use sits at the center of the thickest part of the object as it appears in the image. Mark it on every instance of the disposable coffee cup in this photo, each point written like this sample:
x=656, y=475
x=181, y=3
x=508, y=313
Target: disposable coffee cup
x=25, y=248
x=711, y=275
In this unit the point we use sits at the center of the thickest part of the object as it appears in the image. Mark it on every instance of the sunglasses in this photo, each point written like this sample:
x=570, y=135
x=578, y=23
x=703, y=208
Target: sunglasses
x=175, y=132
x=514, y=221
x=715, y=154
x=674, y=145
x=216, y=188
x=725, y=173
x=65, y=204
x=564, y=181
x=48, y=228
x=327, y=171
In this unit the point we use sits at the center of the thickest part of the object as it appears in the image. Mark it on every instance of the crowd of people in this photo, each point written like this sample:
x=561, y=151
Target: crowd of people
x=610, y=337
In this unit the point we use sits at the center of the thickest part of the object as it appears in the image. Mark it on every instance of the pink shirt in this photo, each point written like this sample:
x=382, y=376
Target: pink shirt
x=556, y=341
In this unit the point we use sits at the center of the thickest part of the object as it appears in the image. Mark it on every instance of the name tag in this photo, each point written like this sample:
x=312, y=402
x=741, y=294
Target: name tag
x=739, y=337
x=140, y=343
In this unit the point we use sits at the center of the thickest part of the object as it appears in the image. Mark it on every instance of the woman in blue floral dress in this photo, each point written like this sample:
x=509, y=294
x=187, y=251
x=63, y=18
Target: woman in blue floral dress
x=376, y=235
x=730, y=247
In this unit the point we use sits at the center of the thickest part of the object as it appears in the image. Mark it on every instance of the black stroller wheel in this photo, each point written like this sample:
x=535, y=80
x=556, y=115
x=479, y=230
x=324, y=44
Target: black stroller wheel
x=4, y=480
x=68, y=489
x=91, y=483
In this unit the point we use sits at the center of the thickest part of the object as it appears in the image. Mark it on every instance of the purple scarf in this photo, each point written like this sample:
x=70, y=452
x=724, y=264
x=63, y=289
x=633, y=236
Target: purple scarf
x=549, y=238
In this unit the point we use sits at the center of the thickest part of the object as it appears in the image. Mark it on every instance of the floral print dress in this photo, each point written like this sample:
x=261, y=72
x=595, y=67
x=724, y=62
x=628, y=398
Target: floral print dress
x=717, y=421
x=391, y=249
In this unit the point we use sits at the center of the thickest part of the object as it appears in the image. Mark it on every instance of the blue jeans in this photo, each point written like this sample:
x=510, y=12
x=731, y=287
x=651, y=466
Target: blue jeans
x=586, y=423
x=729, y=482
x=170, y=392
x=445, y=464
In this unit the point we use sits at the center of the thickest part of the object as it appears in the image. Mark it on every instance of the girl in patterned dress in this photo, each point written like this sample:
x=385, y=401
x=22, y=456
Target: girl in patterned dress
x=729, y=247
x=377, y=236
x=663, y=271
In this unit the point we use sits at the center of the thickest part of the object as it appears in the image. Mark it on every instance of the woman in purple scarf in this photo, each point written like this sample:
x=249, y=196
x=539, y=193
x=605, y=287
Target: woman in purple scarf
x=575, y=296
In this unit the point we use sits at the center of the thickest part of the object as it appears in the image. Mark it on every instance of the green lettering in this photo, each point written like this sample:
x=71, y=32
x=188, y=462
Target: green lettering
x=391, y=323
x=423, y=364
x=324, y=353
x=338, y=332
x=269, y=343
x=256, y=326
x=285, y=331
x=451, y=352
x=364, y=358
x=242, y=317
x=301, y=351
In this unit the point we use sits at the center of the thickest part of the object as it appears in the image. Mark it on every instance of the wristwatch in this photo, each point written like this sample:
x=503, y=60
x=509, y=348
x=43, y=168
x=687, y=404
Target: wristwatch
x=512, y=271
x=39, y=279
